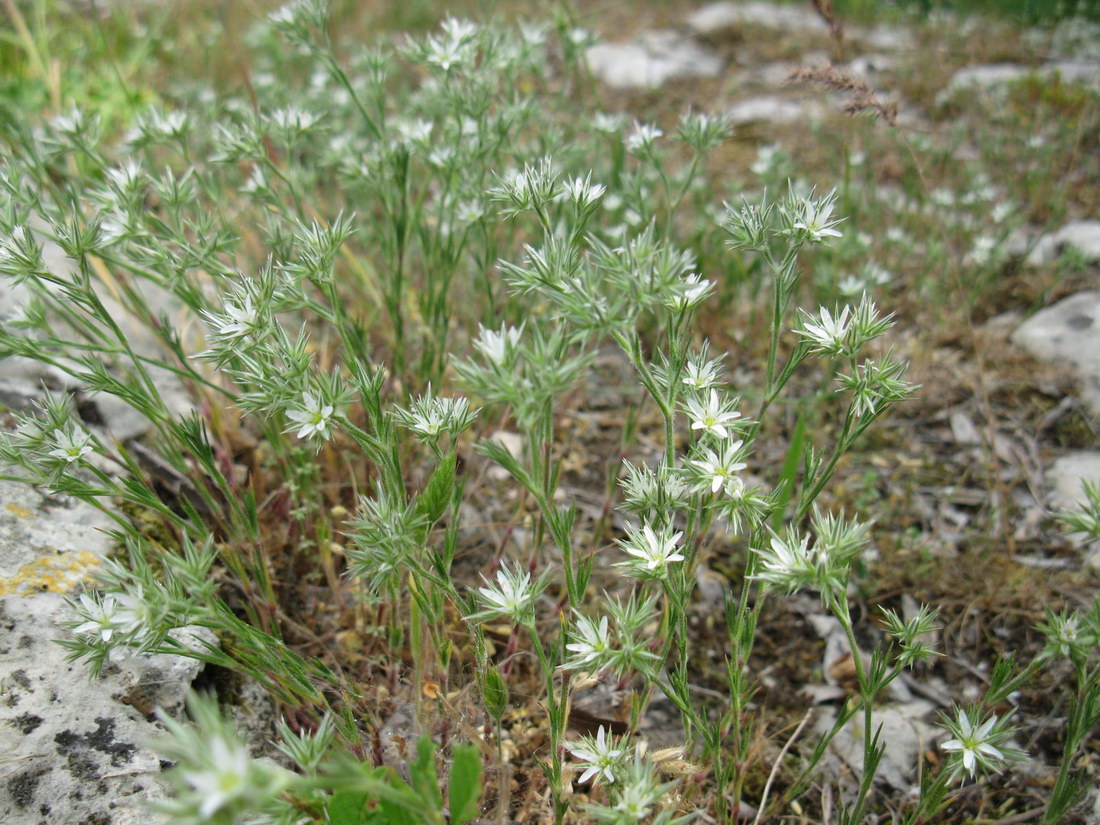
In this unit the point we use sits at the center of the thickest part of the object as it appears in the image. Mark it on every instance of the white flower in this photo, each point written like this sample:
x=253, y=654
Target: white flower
x=72, y=445
x=135, y=615
x=788, y=564
x=700, y=374
x=607, y=123
x=718, y=470
x=497, y=346
x=689, y=292
x=584, y=194
x=973, y=742
x=814, y=218
x=642, y=137
x=599, y=757
x=292, y=119
x=99, y=617
x=653, y=553
x=984, y=250
x=592, y=642
x=512, y=597
x=851, y=285
x=128, y=177
x=429, y=416
x=313, y=416
x=765, y=157
x=712, y=416
x=828, y=332
x=225, y=776
x=238, y=320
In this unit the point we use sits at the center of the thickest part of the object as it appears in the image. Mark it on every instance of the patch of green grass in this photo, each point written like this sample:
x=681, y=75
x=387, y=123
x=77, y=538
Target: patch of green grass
x=1018, y=11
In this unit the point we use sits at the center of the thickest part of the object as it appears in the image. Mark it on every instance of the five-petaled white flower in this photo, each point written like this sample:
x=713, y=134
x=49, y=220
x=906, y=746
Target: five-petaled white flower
x=72, y=445
x=712, y=416
x=653, y=553
x=789, y=563
x=701, y=375
x=592, y=641
x=512, y=597
x=642, y=138
x=827, y=332
x=135, y=615
x=718, y=469
x=496, y=346
x=973, y=742
x=313, y=416
x=599, y=757
x=238, y=320
x=814, y=217
x=689, y=292
x=225, y=778
x=99, y=617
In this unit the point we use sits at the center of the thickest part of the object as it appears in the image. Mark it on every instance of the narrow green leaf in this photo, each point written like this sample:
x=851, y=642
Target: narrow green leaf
x=789, y=472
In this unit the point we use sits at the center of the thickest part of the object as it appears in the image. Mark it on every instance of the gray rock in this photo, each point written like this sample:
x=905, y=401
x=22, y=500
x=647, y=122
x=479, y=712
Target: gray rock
x=871, y=66
x=74, y=751
x=77, y=749
x=903, y=727
x=716, y=18
x=1066, y=475
x=1084, y=236
x=1068, y=332
x=882, y=38
x=656, y=57
x=990, y=76
x=766, y=109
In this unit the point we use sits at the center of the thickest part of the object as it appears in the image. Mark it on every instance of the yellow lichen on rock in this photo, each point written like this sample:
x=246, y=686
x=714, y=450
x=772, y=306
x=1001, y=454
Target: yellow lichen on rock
x=20, y=511
x=58, y=573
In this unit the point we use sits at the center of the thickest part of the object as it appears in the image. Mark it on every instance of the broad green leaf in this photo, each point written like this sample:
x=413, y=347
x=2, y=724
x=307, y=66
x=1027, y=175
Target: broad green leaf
x=464, y=788
x=494, y=692
x=437, y=492
x=425, y=782
x=347, y=808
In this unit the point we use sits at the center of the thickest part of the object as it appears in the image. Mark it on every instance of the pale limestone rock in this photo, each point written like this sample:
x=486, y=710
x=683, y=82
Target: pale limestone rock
x=766, y=109
x=1066, y=476
x=75, y=750
x=718, y=17
x=1084, y=236
x=991, y=76
x=1068, y=331
x=654, y=58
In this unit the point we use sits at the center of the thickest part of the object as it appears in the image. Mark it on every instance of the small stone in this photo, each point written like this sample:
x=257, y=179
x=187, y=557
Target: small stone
x=1066, y=476
x=1084, y=236
x=992, y=75
x=765, y=109
x=1069, y=332
x=902, y=726
x=656, y=57
x=882, y=38
x=716, y=18
x=869, y=66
